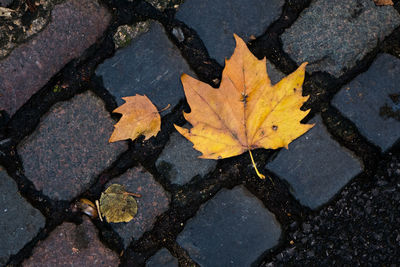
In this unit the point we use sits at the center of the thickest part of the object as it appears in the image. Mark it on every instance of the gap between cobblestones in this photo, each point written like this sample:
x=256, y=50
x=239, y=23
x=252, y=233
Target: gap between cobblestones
x=78, y=76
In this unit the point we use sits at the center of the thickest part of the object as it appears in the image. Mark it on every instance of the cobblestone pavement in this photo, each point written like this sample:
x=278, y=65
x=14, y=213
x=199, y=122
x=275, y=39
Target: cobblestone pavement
x=64, y=67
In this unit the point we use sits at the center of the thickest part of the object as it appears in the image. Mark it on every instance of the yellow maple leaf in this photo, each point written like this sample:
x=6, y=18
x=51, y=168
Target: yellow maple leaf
x=139, y=117
x=246, y=112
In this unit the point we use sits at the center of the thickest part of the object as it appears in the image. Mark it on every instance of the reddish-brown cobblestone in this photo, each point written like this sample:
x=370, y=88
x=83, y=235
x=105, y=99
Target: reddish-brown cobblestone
x=76, y=24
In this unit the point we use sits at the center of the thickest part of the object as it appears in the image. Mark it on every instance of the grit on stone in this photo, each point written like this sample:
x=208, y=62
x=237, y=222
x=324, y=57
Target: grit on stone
x=215, y=21
x=146, y=67
x=232, y=229
x=76, y=24
x=315, y=166
x=333, y=35
x=179, y=161
x=360, y=229
x=154, y=201
x=72, y=245
x=70, y=147
x=372, y=101
x=19, y=221
x=162, y=258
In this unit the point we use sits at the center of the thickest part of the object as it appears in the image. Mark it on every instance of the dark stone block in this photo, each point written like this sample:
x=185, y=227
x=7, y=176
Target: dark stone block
x=150, y=65
x=316, y=166
x=372, y=101
x=180, y=163
x=232, y=229
x=215, y=21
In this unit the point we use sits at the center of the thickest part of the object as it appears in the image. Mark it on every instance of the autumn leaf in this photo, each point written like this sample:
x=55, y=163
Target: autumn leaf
x=383, y=2
x=139, y=117
x=117, y=205
x=246, y=112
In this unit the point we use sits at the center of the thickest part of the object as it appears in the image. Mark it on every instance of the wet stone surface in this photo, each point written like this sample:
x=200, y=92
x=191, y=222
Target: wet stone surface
x=72, y=245
x=19, y=221
x=70, y=147
x=75, y=26
x=315, y=166
x=215, y=21
x=162, y=258
x=232, y=229
x=372, y=101
x=333, y=35
x=360, y=229
x=179, y=161
x=146, y=67
x=154, y=201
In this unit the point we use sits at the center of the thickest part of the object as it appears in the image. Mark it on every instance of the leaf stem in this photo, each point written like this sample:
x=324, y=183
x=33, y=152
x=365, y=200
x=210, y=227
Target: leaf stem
x=255, y=166
x=262, y=176
x=132, y=194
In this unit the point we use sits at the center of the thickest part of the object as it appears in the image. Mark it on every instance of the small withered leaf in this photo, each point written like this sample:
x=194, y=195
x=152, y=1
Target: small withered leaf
x=117, y=205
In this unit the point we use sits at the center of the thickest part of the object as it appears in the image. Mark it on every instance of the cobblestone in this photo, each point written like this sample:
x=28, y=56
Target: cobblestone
x=72, y=245
x=215, y=21
x=75, y=26
x=333, y=35
x=372, y=101
x=180, y=163
x=315, y=166
x=19, y=221
x=162, y=258
x=154, y=201
x=70, y=147
x=146, y=67
x=231, y=229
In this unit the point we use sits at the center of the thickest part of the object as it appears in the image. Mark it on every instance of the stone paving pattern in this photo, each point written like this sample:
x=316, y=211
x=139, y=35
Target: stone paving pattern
x=75, y=26
x=372, y=101
x=315, y=166
x=73, y=245
x=220, y=222
x=231, y=229
x=154, y=202
x=70, y=147
x=19, y=221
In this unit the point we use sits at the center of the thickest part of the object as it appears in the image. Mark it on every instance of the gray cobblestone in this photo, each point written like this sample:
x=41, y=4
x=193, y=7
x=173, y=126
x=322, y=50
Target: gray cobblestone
x=232, y=229
x=333, y=35
x=180, y=162
x=372, y=101
x=215, y=21
x=146, y=67
x=315, y=166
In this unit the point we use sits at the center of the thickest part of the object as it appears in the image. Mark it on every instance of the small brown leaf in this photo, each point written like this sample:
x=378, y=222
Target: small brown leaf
x=139, y=117
x=383, y=2
x=117, y=205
